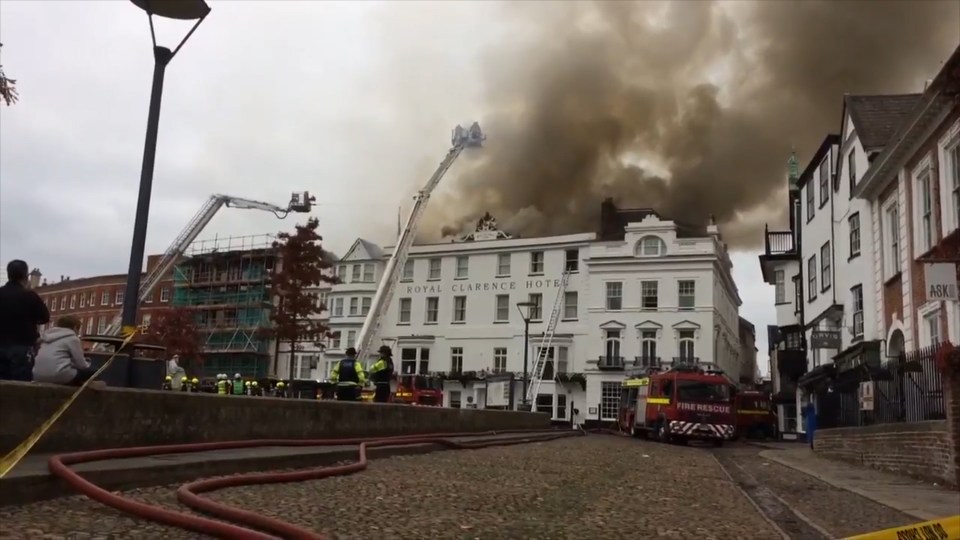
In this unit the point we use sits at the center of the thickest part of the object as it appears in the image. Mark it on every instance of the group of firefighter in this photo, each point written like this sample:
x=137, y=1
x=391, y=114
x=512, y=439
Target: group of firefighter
x=348, y=375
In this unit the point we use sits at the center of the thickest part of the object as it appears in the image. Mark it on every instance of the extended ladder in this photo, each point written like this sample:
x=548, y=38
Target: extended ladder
x=536, y=376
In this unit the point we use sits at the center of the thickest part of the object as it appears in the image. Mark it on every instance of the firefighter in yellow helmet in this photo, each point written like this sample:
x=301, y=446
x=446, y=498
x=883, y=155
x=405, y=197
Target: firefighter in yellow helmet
x=380, y=373
x=194, y=384
x=184, y=384
x=255, y=389
x=280, y=390
x=223, y=386
x=167, y=383
x=349, y=377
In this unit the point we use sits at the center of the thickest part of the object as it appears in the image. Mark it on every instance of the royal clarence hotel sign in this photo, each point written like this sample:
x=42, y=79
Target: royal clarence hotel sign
x=484, y=286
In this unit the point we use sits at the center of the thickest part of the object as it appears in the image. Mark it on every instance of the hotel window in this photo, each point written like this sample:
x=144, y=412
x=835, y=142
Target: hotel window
x=459, y=309
x=164, y=294
x=931, y=324
x=105, y=298
x=536, y=312
x=852, y=168
x=73, y=301
x=89, y=326
x=407, y=271
x=405, y=305
x=648, y=348
x=612, y=339
x=824, y=182
x=609, y=399
x=503, y=265
x=335, y=339
x=101, y=324
x=365, y=306
x=953, y=183
x=434, y=273
x=891, y=234
x=456, y=359
x=812, y=278
x=649, y=295
x=614, y=295
x=63, y=301
x=856, y=301
x=355, y=273
x=83, y=300
x=499, y=359
x=463, y=268
x=536, y=262
x=570, y=299
x=797, y=294
x=780, y=287
x=825, y=267
x=854, y=226
x=652, y=246
x=433, y=309
x=687, y=344
x=351, y=338
x=686, y=294
x=563, y=359
x=811, y=208
x=342, y=271
x=411, y=364
x=93, y=299
x=572, y=258
x=119, y=298
x=338, y=307
x=368, y=273
x=502, y=313
x=925, y=234
x=354, y=306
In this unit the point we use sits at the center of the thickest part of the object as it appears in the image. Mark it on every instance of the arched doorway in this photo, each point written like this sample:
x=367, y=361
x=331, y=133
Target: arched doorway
x=895, y=344
x=896, y=357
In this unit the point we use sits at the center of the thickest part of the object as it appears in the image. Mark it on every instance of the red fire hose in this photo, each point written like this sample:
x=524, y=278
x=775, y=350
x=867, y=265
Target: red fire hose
x=189, y=494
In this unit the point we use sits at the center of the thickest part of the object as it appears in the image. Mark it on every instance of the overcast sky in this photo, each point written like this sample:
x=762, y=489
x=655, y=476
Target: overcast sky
x=351, y=101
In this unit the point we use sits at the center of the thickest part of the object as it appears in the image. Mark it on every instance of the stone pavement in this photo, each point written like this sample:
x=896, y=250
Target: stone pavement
x=31, y=481
x=921, y=500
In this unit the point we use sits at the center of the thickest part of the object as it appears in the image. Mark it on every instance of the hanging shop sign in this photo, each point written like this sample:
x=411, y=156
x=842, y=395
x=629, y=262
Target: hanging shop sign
x=940, y=280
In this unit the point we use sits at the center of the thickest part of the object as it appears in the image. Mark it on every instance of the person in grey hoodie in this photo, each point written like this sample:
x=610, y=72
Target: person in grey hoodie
x=60, y=359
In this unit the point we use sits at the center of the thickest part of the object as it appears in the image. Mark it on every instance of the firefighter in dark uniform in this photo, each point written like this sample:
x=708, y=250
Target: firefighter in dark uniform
x=280, y=390
x=194, y=384
x=184, y=384
x=380, y=373
x=349, y=377
x=167, y=383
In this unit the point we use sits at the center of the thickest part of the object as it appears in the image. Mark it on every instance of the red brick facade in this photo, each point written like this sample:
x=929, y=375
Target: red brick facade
x=892, y=288
x=97, y=300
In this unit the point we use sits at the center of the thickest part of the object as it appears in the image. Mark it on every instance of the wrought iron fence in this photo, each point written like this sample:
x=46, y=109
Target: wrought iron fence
x=908, y=388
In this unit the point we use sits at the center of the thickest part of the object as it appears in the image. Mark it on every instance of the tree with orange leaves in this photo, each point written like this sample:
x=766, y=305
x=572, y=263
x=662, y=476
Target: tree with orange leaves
x=302, y=265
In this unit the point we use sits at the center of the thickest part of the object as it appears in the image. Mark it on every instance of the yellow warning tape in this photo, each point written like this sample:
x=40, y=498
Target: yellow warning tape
x=9, y=461
x=938, y=529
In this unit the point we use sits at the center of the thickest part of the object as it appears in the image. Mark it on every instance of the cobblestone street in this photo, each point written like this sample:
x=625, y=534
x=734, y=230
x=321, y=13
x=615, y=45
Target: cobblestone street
x=584, y=487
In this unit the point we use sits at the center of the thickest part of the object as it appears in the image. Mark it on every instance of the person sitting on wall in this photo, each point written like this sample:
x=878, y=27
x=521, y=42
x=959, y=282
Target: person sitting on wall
x=60, y=359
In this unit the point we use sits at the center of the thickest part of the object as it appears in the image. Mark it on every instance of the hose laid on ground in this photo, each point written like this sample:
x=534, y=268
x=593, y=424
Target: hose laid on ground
x=188, y=494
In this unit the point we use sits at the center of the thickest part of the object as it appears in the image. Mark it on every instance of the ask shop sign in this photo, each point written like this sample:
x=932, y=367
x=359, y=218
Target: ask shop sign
x=940, y=281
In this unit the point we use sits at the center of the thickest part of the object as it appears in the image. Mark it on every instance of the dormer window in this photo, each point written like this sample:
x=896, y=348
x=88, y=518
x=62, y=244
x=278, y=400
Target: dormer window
x=651, y=246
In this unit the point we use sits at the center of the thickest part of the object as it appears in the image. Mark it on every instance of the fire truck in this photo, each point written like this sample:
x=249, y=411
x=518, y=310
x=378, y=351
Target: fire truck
x=419, y=390
x=755, y=416
x=680, y=404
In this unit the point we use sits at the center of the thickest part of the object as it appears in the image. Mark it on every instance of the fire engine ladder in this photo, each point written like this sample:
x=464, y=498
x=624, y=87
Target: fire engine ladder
x=301, y=203
x=536, y=375
x=462, y=138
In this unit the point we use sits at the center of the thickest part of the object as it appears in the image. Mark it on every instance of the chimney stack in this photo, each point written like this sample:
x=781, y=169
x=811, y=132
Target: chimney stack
x=35, y=276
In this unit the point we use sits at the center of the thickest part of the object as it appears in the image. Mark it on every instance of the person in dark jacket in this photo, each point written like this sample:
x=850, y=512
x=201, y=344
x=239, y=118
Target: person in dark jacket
x=380, y=373
x=21, y=312
x=349, y=377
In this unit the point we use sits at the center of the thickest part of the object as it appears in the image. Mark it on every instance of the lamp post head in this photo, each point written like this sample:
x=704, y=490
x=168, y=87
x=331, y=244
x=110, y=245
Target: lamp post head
x=185, y=10
x=524, y=308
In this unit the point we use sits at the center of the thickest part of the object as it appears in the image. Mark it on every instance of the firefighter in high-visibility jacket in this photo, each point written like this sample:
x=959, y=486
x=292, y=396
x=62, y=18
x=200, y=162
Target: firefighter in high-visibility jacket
x=349, y=377
x=380, y=373
x=223, y=385
x=238, y=386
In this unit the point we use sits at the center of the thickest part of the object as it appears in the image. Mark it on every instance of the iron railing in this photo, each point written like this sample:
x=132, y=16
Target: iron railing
x=610, y=362
x=646, y=361
x=909, y=388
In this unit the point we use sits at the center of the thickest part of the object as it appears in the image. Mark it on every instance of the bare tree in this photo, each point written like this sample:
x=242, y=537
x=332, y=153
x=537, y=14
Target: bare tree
x=8, y=87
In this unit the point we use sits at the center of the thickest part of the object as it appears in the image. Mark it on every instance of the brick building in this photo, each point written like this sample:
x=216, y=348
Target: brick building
x=97, y=300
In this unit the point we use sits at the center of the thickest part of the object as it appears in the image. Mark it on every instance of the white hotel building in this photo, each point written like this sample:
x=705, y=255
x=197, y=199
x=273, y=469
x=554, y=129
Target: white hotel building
x=643, y=290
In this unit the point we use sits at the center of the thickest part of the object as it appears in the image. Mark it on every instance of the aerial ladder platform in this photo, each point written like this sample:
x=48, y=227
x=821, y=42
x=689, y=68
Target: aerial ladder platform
x=299, y=203
x=462, y=139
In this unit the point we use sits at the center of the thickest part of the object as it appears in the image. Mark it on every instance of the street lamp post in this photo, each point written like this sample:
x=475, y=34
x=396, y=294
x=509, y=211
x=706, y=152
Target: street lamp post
x=172, y=9
x=524, y=309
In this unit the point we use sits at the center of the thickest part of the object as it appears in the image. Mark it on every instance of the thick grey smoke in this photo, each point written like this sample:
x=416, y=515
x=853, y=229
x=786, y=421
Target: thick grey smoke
x=688, y=107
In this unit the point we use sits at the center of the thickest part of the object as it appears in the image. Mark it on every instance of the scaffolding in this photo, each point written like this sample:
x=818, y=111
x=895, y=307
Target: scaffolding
x=225, y=282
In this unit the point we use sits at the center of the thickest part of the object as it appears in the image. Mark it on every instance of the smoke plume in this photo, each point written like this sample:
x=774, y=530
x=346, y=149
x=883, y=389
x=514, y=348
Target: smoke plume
x=688, y=107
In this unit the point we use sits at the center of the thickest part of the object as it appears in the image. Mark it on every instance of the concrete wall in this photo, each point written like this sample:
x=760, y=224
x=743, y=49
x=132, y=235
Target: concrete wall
x=122, y=418
x=918, y=449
